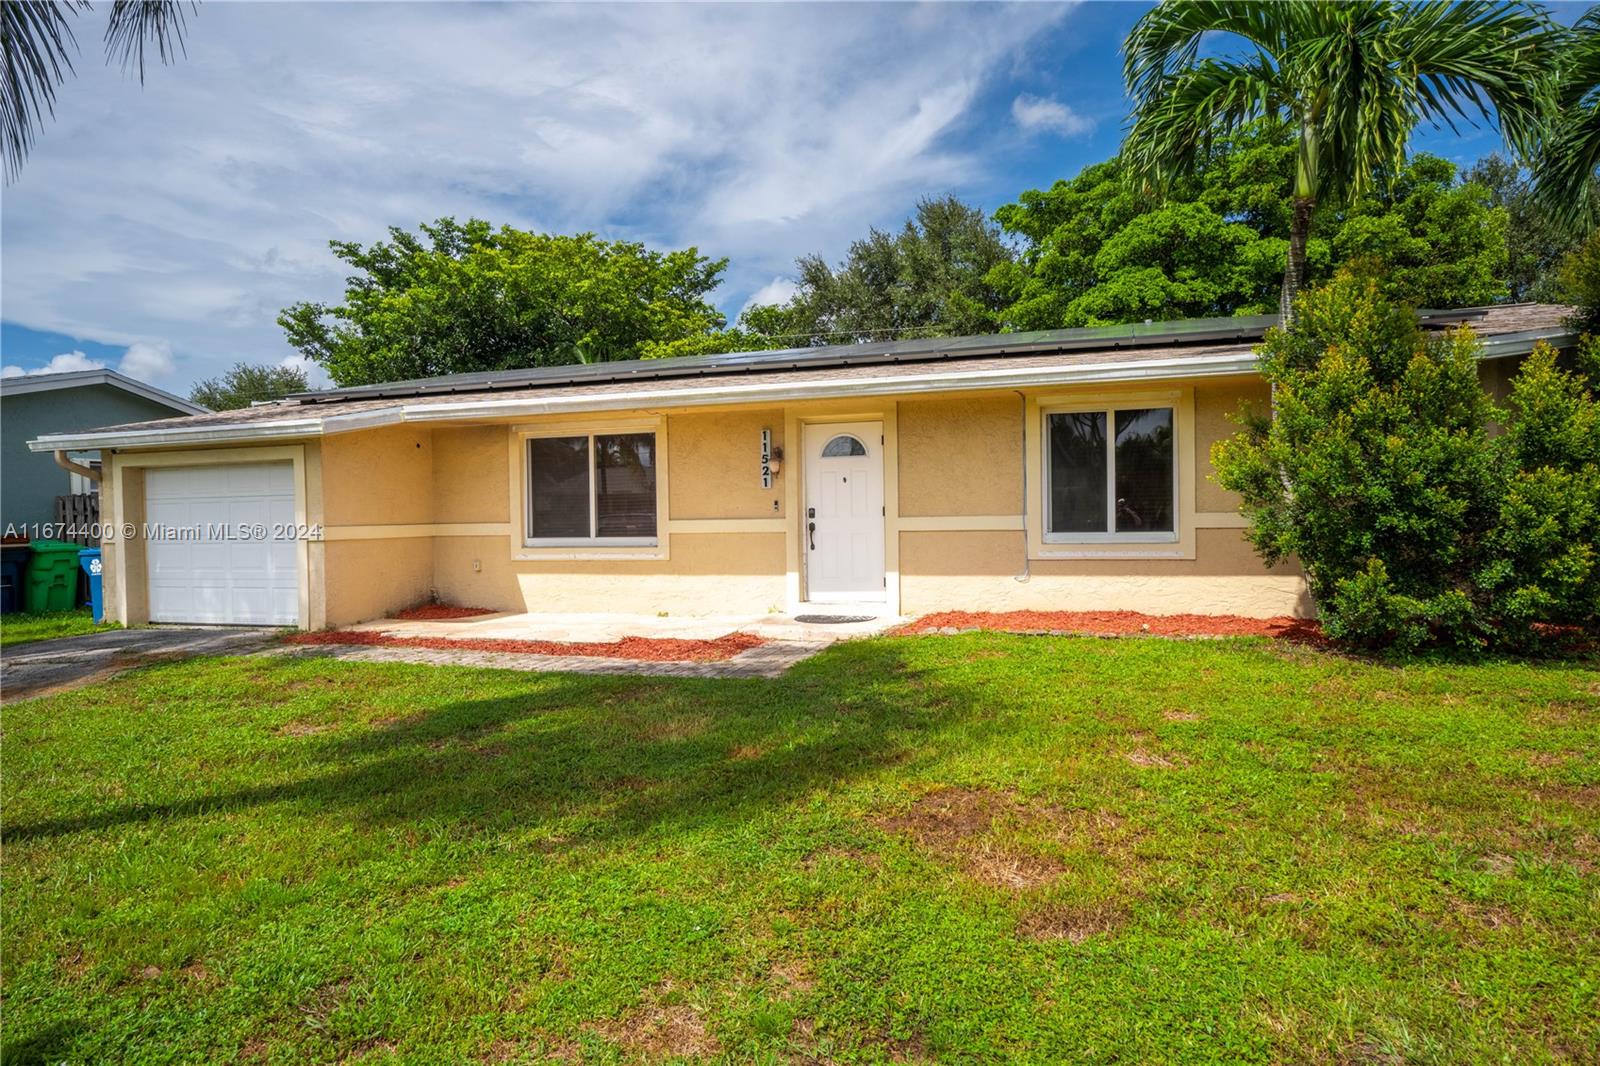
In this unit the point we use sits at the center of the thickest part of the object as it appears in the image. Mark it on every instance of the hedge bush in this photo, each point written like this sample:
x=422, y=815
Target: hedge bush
x=1422, y=512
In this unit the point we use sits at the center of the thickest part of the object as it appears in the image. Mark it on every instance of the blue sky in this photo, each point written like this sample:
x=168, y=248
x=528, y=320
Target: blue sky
x=160, y=230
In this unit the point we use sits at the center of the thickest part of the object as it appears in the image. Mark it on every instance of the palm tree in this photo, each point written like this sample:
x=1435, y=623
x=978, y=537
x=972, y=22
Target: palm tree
x=1564, y=169
x=1352, y=79
x=37, y=41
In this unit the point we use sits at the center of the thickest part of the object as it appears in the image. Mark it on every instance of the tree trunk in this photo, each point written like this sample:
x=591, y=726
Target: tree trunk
x=1294, y=267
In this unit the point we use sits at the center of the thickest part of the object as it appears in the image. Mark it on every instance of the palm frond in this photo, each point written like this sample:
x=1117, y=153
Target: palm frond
x=1166, y=39
x=1569, y=156
x=1355, y=77
x=1483, y=59
x=37, y=45
x=1207, y=100
x=137, y=23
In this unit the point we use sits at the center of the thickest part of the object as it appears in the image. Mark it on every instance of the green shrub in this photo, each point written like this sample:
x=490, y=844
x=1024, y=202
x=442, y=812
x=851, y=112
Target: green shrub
x=1378, y=471
x=1543, y=562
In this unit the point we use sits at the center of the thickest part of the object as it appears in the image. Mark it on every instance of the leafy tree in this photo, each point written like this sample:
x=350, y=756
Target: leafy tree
x=460, y=298
x=1569, y=152
x=1351, y=79
x=1579, y=283
x=1535, y=242
x=1379, y=472
x=930, y=279
x=245, y=384
x=37, y=40
x=1097, y=251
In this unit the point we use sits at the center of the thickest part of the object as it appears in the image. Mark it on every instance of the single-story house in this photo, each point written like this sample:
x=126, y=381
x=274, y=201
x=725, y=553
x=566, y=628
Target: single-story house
x=32, y=405
x=1067, y=469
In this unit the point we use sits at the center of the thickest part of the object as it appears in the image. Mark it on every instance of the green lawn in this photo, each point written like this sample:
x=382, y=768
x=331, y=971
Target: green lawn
x=22, y=628
x=955, y=849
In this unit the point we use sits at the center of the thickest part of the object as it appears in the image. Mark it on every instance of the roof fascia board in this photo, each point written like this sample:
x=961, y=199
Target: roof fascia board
x=292, y=429
x=1501, y=345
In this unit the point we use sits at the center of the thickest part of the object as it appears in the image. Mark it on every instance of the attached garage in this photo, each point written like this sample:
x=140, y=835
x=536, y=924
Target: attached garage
x=215, y=545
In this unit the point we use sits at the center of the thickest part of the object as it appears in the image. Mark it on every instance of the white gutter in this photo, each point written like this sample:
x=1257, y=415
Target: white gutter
x=64, y=461
x=481, y=406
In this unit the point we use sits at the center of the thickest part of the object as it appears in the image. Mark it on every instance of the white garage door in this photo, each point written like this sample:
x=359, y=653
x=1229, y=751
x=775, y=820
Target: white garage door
x=216, y=569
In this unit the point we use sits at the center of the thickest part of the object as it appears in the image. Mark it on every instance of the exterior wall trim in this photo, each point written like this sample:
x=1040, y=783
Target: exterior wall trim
x=424, y=529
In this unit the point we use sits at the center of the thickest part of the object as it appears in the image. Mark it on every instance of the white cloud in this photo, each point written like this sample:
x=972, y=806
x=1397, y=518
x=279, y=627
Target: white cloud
x=779, y=290
x=65, y=363
x=316, y=377
x=1034, y=113
x=146, y=361
x=196, y=207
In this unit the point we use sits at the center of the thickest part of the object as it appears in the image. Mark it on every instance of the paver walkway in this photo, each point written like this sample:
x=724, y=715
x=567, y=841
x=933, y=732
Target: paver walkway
x=768, y=660
x=47, y=666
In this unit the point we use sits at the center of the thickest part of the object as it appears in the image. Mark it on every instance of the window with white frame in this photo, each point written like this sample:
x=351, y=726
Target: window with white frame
x=591, y=488
x=1110, y=475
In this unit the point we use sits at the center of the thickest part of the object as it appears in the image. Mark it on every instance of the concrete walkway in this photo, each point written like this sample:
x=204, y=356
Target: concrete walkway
x=47, y=666
x=70, y=662
x=604, y=628
x=788, y=641
x=768, y=660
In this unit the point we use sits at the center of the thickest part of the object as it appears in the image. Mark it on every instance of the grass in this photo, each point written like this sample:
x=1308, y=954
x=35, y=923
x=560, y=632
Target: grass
x=958, y=849
x=23, y=628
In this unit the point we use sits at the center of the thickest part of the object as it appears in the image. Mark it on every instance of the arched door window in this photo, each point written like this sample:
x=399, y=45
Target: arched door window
x=843, y=446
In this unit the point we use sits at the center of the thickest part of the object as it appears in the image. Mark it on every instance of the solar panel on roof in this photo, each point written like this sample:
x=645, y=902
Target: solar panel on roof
x=926, y=349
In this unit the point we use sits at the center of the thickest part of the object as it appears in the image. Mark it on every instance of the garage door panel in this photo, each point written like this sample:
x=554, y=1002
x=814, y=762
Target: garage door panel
x=215, y=574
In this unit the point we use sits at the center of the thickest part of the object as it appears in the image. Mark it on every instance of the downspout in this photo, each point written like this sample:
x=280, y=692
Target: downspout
x=65, y=463
x=1027, y=563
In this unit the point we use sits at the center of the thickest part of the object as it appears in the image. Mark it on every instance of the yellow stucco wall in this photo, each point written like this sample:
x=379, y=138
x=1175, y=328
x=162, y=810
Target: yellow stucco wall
x=378, y=477
x=707, y=573
x=979, y=570
x=469, y=474
x=366, y=579
x=715, y=464
x=1214, y=406
x=961, y=456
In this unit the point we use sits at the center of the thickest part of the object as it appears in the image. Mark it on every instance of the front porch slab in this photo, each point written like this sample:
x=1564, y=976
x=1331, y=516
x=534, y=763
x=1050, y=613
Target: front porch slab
x=787, y=641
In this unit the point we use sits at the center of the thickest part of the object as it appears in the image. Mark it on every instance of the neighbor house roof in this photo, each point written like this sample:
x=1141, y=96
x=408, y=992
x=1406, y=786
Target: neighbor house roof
x=22, y=384
x=1193, y=349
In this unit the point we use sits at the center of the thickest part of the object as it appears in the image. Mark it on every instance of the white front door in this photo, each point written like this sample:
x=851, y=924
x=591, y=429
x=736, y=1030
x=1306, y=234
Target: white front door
x=843, y=520
x=211, y=552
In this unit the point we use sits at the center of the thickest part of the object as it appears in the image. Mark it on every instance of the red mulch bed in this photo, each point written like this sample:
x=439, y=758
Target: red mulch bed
x=647, y=649
x=1120, y=624
x=440, y=612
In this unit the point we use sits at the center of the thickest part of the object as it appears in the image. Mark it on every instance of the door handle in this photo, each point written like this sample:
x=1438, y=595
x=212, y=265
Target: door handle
x=811, y=528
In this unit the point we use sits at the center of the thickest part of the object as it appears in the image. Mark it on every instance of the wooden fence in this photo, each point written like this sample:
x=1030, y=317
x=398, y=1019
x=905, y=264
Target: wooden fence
x=76, y=517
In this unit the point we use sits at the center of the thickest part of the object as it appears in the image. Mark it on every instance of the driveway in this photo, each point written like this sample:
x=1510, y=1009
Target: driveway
x=67, y=662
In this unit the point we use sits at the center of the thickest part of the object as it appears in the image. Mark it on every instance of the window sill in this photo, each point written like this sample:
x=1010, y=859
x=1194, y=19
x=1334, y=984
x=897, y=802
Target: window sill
x=1110, y=551
x=589, y=549
x=1110, y=540
x=614, y=554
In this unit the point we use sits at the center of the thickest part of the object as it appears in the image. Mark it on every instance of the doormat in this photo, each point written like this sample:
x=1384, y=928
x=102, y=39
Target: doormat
x=834, y=619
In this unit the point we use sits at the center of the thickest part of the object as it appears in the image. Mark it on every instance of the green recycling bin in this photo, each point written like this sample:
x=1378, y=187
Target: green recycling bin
x=52, y=580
